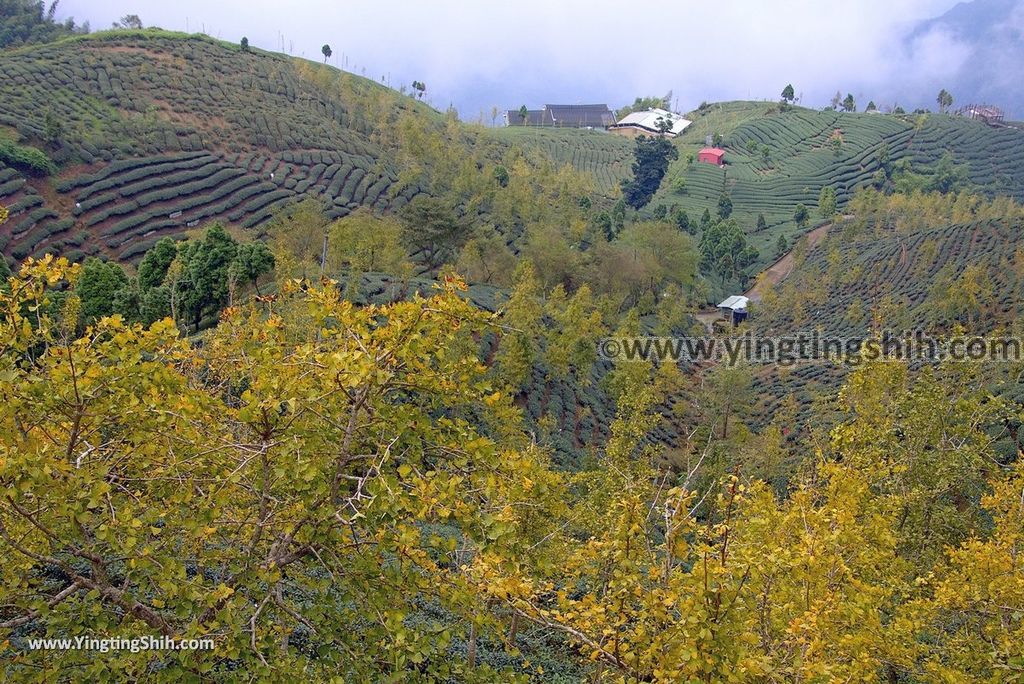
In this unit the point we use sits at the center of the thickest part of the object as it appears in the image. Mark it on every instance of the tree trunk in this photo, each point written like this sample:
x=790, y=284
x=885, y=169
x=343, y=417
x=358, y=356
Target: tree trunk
x=471, y=648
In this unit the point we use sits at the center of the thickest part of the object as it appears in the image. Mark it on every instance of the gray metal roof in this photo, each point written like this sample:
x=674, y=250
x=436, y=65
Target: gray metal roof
x=735, y=302
x=570, y=116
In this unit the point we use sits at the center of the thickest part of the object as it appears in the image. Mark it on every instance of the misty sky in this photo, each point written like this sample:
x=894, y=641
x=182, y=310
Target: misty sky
x=477, y=55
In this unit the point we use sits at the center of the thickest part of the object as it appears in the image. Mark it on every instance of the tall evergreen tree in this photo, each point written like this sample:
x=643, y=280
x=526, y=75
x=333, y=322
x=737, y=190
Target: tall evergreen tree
x=154, y=265
x=97, y=288
x=204, y=284
x=652, y=157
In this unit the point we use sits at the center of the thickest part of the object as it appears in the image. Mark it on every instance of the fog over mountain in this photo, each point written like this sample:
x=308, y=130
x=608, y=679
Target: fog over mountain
x=988, y=37
x=476, y=56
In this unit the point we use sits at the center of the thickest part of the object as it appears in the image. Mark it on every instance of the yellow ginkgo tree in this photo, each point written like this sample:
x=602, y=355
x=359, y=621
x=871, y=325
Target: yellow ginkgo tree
x=340, y=492
x=301, y=487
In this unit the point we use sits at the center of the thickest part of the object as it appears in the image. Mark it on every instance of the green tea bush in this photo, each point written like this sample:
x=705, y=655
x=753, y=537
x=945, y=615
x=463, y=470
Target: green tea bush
x=28, y=159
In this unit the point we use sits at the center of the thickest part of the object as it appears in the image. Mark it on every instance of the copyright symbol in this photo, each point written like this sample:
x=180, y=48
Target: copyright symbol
x=610, y=349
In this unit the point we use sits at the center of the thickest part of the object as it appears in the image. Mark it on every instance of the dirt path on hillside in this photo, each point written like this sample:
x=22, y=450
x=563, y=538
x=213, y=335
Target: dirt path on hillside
x=770, y=277
x=774, y=274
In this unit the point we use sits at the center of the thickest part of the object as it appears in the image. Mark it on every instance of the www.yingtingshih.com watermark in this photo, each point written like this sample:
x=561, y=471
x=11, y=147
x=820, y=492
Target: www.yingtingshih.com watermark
x=108, y=644
x=913, y=346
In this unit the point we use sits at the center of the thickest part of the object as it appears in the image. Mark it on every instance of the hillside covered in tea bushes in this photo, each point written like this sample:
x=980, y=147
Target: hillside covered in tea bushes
x=148, y=133
x=939, y=264
x=110, y=141
x=780, y=156
x=295, y=363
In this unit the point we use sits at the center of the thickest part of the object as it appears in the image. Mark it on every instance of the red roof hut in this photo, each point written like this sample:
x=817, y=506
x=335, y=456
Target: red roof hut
x=712, y=155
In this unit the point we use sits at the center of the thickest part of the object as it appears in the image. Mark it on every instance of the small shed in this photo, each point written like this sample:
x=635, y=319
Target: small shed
x=735, y=308
x=712, y=155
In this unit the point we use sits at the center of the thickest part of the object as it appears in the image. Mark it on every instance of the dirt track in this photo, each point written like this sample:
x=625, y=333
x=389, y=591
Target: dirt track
x=774, y=274
x=769, y=277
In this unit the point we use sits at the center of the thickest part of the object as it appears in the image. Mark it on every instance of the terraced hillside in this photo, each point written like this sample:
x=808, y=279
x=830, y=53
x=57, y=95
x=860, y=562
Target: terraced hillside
x=155, y=132
x=608, y=158
x=131, y=203
x=776, y=160
x=842, y=282
x=151, y=133
x=929, y=277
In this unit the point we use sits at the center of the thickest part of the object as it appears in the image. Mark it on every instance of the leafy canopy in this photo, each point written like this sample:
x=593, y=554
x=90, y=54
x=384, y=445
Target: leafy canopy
x=329, y=491
x=652, y=157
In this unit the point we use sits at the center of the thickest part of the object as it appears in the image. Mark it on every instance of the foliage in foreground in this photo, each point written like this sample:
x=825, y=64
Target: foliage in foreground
x=336, y=492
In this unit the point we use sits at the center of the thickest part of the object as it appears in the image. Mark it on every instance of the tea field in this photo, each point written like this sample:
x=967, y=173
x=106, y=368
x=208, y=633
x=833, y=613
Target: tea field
x=113, y=140
x=607, y=157
x=155, y=132
x=932, y=280
x=775, y=160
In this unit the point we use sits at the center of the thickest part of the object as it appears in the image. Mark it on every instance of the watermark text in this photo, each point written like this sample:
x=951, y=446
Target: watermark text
x=108, y=644
x=914, y=346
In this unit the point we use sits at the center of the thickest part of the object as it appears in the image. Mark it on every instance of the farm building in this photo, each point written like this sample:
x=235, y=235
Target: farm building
x=712, y=155
x=534, y=117
x=564, y=116
x=993, y=116
x=646, y=123
x=734, y=308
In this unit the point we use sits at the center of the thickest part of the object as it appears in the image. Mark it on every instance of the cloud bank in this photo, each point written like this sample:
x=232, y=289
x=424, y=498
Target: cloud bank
x=478, y=55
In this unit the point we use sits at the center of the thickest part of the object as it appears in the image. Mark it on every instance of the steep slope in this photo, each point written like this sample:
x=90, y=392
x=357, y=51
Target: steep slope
x=156, y=132
x=929, y=264
x=778, y=159
x=608, y=158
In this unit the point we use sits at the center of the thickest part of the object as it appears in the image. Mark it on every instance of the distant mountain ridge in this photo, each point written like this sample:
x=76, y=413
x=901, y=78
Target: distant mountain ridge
x=993, y=33
x=970, y=20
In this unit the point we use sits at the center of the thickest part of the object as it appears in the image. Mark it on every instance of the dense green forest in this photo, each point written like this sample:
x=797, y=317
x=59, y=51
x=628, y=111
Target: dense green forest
x=292, y=362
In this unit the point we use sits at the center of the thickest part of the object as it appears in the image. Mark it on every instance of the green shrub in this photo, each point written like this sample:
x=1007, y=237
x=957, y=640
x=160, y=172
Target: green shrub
x=156, y=167
x=28, y=159
x=27, y=201
x=11, y=187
